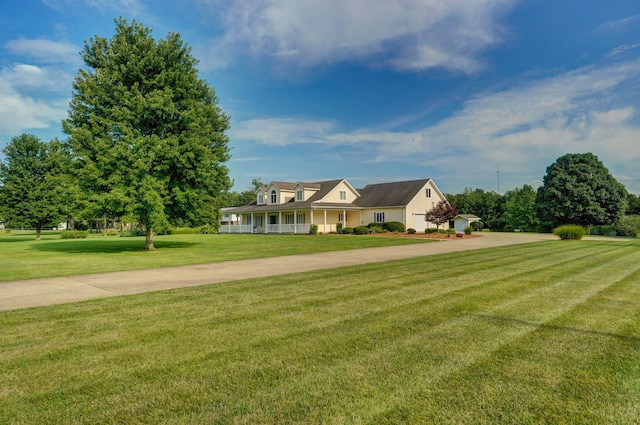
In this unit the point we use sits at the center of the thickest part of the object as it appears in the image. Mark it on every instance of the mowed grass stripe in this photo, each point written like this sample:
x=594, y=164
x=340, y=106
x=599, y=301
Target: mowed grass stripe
x=392, y=342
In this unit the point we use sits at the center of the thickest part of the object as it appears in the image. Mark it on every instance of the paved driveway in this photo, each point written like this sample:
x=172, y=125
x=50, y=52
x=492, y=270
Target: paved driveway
x=41, y=292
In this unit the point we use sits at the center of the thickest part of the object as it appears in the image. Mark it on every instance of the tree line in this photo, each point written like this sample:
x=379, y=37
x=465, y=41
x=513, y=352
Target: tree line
x=577, y=189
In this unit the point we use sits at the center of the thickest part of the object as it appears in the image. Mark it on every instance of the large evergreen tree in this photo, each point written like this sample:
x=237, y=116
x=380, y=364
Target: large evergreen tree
x=35, y=190
x=147, y=134
x=578, y=189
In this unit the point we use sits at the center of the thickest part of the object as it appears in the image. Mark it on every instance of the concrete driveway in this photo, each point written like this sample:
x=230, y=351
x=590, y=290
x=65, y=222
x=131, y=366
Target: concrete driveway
x=42, y=292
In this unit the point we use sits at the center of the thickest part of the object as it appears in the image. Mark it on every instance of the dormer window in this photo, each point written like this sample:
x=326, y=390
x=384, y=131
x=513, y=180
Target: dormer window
x=343, y=195
x=261, y=199
x=299, y=195
x=274, y=197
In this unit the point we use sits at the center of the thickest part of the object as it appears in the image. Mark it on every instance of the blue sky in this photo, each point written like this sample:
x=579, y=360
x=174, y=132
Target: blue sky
x=368, y=90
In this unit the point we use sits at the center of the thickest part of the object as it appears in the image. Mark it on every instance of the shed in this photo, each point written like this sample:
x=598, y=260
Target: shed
x=461, y=221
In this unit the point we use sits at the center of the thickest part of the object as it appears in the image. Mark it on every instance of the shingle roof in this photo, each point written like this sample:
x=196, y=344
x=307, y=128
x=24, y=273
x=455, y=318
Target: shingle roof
x=390, y=194
x=323, y=188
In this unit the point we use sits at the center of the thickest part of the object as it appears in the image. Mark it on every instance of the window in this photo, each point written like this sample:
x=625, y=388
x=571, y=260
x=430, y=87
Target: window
x=260, y=199
x=342, y=217
x=274, y=197
x=343, y=195
x=288, y=219
x=301, y=218
x=428, y=193
x=378, y=217
x=299, y=195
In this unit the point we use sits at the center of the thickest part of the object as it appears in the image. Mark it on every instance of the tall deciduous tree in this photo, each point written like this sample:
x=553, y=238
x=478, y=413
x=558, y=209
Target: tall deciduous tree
x=147, y=134
x=441, y=213
x=35, y=190
x=578, y=189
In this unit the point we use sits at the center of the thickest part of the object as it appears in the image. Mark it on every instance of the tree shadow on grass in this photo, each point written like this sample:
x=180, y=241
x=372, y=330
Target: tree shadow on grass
x=107, y=245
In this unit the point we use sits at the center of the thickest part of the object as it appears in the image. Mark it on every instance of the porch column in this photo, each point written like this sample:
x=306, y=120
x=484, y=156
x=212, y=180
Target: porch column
x=325, y=221
x=266, y=226
x=279, y=221
x=240, y=223
x=295, y=221
x=252, y=222
x=344, y=218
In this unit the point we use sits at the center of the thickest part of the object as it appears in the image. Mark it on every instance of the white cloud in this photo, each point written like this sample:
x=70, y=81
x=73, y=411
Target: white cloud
x=32, y=97
x=45, y=51
x=407, y=35
x=524, y=128
x=35, y=77
x=23, y=113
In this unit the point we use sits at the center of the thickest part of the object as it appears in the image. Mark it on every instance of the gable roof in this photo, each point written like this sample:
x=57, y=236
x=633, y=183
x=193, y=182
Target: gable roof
x=393, y=194
x=283, y=185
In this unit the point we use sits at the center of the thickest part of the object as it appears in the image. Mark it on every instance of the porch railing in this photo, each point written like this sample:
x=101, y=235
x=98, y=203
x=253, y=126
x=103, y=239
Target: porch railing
x=271, y=228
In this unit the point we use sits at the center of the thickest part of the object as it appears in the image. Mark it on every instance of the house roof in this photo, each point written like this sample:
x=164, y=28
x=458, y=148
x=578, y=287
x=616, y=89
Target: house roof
x=323, y=188
x=390, y=194
x=284, y=185
x=469, y=217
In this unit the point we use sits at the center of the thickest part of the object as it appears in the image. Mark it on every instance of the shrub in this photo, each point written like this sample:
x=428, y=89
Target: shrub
x=74, y=234
x=450, y=231
x=411, y=230
x=132, y=233
x=347, y=230
x=496, y=225
x=110, y=232
x=477, y=225
x=429, y=231
x=570, y=232
x=313, y=229
x=339, y=228
x=626, y=231
x=361, y=230
x=208, y=229
x=468, y=230
x=183, y=230
x=393, y=226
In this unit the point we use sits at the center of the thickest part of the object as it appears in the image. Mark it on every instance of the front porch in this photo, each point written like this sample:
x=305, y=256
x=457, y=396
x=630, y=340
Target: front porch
x=293, y=221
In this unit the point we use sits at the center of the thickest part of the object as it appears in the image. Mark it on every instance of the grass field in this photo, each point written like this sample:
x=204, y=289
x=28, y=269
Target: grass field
x=543, y=333
x=25, y=258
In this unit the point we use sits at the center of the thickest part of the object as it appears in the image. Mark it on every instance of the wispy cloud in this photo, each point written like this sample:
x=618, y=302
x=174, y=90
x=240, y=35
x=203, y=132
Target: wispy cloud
x=523, y=128
x=45, y=51
x=619, y=24
x=124, y=7
x=408, y=35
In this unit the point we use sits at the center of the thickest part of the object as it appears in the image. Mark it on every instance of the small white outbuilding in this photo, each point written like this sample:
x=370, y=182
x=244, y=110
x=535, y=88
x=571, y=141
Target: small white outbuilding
x=461, y=221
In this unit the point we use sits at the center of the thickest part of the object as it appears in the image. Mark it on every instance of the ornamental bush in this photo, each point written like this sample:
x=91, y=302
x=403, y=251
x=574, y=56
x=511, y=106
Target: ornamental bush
x=570, y=232
x=313, y=229
x=411, y=230
x=347, y=230
x=74, y=234
x=361, y=230
x=132, y=233
x=468, y=230
x=393, y=226
x=110, y=232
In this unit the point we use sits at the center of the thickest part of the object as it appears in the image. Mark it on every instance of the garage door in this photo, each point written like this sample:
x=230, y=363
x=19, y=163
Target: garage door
x=419, y=223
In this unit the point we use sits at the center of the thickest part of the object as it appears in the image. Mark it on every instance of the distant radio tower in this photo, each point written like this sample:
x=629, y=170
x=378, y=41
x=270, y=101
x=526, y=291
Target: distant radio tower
x=498, y=173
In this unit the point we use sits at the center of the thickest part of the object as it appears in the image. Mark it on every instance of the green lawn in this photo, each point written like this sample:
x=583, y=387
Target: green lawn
x=542, y=333
x=25, y=258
